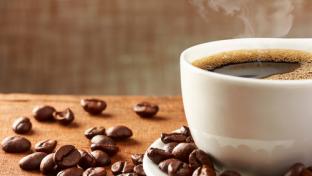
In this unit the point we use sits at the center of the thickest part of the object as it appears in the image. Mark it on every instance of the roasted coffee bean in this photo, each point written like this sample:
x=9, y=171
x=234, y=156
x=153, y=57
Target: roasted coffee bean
x=158, y=155
x=146, y=109
x=230, y=173
x=117, y=167
x=309, y=168
x=22, y=125
x=164, y=164
x=15, y=144
x=119, y=132
x=48, y=166
x=138, y=169
x=91, y=132
x=101, y=158
x=127, y=168
x=95, y=171
x=295, y=170
x=306, y=172
x=198, y=158
x=107, y=148
x=179, y=169
x=172, y=137
x=204, y=171
x=93, y=106
x=46, y=146
x=73, y=171
x=189, y=139
x=122, y=167
x=32, y=161
x=66, y=156
x=185, y=131
x=64, y=117
x=183, y=150
x=101, y=139
x=87, y=160
x=44, y=113
x=170, y=146
x=137, y=158
x=104, y=143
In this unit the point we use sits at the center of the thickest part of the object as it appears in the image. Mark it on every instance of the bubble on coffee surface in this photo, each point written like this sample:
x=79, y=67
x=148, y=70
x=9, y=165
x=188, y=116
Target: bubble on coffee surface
x=281, y=64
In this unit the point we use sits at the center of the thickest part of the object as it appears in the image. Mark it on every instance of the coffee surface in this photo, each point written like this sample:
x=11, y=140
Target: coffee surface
x=276, y=64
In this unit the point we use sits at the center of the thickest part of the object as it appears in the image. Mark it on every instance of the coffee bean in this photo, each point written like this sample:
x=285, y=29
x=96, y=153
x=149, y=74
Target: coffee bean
x=64, y=117
x=170, y=146
x=179, y=169
x=87, y=160
x=117, y=167
x=183, y=150
x=198, y=158
x=93, y=106
x=306, y=172
x=127, y=168
x=138, y=169
x=137, y=158
x=189, y=139
x=15, y=144
x=146, y=109
x=107, y=148
x=158, y=155
x=101, y=158
x=67, y=156
x=101, y=139
x=295, y=170
x=309, y=168
x=22, y=125
x=46, y=146
x=48, y=166
x=172, y=137
x=73, y=171
x=119, y=132
x=32, y=161
x=230, y=173
x=44, y=113
x=91, y=132
x=164, y=164
x=185, y=131
x=104, y=143
x=122, y=167
x=95, y=171
x=204, y=171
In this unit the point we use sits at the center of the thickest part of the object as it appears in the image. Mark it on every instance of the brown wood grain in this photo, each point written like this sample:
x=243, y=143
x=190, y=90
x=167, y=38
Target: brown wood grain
x=119, y=111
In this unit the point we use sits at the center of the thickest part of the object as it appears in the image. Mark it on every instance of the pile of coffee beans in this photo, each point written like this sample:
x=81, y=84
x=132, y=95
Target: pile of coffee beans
x=124, y=168
x=67, y=160
x=48, y=113
x=181, y=157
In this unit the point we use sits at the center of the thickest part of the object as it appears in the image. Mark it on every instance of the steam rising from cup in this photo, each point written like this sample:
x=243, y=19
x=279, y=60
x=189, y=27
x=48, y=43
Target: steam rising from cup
x=261, y=18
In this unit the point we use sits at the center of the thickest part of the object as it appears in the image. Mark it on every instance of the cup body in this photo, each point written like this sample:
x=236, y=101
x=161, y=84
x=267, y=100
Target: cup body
x=258, y=127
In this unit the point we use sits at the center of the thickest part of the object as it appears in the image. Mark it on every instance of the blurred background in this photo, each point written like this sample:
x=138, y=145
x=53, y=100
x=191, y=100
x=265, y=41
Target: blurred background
x=124, y=47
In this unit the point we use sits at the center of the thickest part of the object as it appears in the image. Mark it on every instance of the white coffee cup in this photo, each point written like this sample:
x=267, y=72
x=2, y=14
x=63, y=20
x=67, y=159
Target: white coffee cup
x=258, y=127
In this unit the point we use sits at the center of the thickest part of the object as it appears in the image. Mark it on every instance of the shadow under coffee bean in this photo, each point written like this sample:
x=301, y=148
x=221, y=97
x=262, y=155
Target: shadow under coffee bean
x=261, y=64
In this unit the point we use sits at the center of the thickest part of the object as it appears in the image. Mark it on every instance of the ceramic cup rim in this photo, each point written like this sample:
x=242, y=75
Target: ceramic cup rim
x=240, y=80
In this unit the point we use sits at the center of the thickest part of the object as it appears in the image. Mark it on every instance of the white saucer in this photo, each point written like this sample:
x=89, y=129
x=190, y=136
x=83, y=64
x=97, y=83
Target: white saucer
x=150, y=168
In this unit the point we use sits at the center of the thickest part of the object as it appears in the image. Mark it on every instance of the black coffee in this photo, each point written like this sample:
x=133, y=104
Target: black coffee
x=261, y=64
x=257, y=69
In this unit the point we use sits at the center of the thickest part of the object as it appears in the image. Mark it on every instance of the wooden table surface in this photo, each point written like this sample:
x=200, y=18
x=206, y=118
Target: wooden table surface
x=119, y=111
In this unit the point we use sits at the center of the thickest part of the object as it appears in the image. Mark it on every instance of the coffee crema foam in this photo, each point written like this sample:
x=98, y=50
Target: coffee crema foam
x=304, y=71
